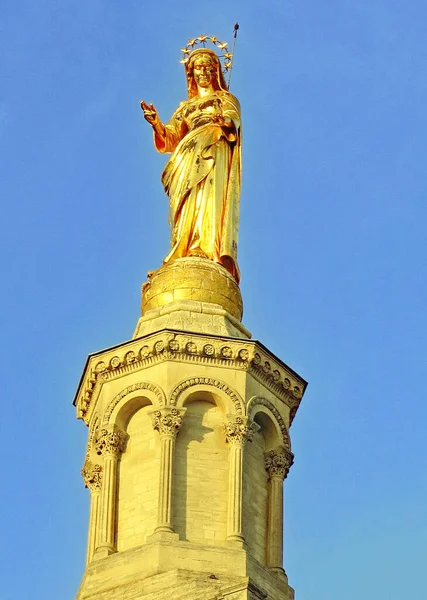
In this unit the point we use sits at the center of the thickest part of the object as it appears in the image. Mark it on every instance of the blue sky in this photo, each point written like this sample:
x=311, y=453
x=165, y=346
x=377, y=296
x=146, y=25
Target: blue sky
x=332, y=253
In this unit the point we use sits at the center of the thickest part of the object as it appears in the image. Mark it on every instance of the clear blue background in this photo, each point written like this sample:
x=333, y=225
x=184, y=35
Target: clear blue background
x=332, y=252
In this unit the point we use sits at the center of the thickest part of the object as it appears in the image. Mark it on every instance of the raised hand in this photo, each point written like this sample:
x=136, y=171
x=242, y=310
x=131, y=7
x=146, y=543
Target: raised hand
x=150, y=113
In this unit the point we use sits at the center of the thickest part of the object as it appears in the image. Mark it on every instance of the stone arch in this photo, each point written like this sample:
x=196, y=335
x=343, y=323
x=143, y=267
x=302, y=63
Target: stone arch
x=259, y=405
x=130, y=399
x=137, y=489
x=195, y=384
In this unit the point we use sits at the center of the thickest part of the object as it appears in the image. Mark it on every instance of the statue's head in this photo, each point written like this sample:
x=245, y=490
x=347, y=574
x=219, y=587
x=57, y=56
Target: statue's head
x=203, y=68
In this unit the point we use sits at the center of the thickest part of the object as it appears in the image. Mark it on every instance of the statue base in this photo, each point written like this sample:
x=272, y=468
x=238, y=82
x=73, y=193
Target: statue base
x=192, y=278
x=192, y=294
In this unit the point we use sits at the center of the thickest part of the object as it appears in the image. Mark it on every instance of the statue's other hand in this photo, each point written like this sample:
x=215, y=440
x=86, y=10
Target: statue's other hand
x=150, y=113
x=223, y=121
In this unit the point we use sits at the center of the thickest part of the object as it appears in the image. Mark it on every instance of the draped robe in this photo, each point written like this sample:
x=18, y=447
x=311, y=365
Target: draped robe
x=202, y=179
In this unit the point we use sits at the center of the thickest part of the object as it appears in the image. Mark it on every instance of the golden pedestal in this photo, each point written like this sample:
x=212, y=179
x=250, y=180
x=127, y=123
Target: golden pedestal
x=192, y=278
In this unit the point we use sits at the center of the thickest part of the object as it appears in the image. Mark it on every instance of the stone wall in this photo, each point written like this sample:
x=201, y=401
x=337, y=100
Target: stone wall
x=138, y=488
x=201, y=475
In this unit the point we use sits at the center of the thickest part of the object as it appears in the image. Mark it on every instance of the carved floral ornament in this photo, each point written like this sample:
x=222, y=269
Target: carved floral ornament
x=167, y=421
x=239, y=431
x=110, y=442
x=92, y=476
x=278, y=463
x=184, y=347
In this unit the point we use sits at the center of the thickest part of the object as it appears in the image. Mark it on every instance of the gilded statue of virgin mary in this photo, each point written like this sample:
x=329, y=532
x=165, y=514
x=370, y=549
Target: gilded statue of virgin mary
x=202, y=177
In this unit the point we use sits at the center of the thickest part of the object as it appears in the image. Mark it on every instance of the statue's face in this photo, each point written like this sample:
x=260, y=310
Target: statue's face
x=203, y=71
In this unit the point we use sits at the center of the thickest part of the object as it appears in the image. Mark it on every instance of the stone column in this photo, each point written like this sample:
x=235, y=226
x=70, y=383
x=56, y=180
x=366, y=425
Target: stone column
x=110, y=445
x=92, y=477
x=167, y=422
x=277, y=463
x=237, y=432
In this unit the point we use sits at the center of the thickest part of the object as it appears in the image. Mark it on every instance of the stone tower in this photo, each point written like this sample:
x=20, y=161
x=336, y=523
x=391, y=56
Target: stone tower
x=188, y=449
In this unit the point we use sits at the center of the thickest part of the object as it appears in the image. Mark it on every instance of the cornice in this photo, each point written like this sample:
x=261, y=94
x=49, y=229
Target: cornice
x=181, y=346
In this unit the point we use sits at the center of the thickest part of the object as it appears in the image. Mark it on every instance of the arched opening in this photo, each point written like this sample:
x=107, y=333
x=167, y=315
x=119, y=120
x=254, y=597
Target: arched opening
x=138, y=475
x=201, y=473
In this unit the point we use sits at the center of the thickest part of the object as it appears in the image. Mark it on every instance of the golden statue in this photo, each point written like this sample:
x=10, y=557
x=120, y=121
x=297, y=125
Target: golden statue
x=202, y=177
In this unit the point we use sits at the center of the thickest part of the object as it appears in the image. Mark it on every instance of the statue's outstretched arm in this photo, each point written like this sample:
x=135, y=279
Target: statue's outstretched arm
x=166, y=137
x=152, y=117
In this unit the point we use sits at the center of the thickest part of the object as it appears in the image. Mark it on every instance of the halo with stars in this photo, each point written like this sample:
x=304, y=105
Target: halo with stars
x=202, y=40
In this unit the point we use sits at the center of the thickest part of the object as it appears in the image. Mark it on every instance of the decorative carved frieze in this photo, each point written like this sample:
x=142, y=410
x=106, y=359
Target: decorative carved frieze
x=167, y=421
x=110, y=442
x=282, y=383
x=179, y=346
x=92, y=476
x=239, y=431
x=278, y=463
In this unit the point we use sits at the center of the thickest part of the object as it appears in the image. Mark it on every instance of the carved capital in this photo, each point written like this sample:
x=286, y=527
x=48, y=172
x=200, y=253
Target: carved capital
x=167, y=421
x=92, y=476
x=111, y=442
x=278, y=462
x=239, y=431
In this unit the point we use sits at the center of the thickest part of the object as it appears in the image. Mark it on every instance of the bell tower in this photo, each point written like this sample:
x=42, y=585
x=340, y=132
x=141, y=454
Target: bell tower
x=188, y=422
x=188, y=449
